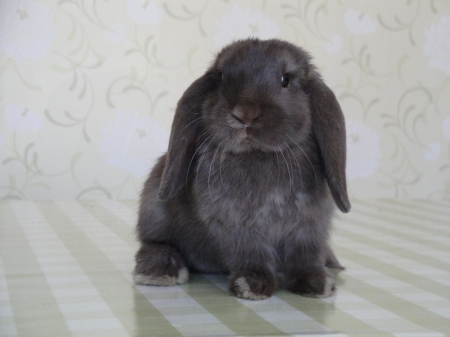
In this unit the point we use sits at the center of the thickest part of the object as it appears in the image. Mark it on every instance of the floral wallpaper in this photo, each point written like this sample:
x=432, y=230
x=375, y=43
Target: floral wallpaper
x=88, y=89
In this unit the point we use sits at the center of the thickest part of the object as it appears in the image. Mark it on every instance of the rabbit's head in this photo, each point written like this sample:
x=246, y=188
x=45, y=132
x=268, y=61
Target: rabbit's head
x=259, y=96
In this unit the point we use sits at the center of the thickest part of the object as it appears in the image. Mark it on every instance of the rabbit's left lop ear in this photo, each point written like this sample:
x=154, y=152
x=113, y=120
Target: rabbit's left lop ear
x=183, y=137
x=329, y=129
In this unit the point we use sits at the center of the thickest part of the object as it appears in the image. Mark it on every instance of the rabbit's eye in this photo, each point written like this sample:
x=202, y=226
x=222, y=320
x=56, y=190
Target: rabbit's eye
x=285, y=80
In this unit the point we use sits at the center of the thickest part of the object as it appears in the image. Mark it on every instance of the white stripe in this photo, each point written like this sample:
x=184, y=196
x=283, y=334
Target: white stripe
x=29, y=210
x=7, y=324
x=114, y=242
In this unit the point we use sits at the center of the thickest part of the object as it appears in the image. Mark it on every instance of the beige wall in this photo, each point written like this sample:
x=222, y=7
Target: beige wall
x=88, y=88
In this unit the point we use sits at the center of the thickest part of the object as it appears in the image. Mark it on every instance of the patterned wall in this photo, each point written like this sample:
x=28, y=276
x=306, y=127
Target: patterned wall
x=88, y=88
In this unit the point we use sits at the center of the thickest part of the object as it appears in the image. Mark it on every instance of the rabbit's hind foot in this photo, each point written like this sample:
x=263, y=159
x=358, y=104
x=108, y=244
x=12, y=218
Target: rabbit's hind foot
x=159, y=265
x=253, y=285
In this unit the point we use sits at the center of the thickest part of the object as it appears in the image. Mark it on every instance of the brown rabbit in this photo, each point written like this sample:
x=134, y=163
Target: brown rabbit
x=256, y=156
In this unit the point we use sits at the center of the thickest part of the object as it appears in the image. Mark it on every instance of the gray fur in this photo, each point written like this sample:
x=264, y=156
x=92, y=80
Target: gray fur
x=248, y=183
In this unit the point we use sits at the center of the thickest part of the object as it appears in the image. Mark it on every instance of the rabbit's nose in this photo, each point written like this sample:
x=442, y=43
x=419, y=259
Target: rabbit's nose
x=246, y=115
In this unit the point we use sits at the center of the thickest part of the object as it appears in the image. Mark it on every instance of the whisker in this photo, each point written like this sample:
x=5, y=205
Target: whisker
x=209, y=174
x=289, y=172
x=220, y=167
x=192, y=122
x=288, y=155
x=192, y=159
x=298, y=164
x=312, y=166
x=201, y=158
x=279, y=168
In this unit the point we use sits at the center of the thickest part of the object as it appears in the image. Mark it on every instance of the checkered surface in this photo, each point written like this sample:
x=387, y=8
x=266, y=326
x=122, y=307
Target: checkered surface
x=65, y=270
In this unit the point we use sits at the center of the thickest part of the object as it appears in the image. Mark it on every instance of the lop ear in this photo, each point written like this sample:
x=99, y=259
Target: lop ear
x=183, y=136
x=329, y=129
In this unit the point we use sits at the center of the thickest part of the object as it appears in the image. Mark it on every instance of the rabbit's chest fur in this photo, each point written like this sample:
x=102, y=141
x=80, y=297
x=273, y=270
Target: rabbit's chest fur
x=269, y=193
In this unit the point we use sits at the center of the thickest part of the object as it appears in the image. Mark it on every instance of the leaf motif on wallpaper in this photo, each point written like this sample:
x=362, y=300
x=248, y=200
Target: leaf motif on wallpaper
x=148, y=50
x=83, y=89
x=78, y=61
x=365, y=106
x=402, y=175
x=443, y=193
x=128, y=186
x=241, y=23
x=90, y=13
x=91, y=191
x=308, y=12
x=362, y=59
x=82, y=53
x=10, y=63
x=101, y=190
x=411, y=111
x=70, y=121
x=138, y=81
x=364, y=90
x=398, y=24
x=186, y=14
x=26, y=33
x=28, y=160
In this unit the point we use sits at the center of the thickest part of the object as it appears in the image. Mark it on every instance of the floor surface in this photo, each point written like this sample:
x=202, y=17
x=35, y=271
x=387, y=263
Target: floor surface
x=65, y=270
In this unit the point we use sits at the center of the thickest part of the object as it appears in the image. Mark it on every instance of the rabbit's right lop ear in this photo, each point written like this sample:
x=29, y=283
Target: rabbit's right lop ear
x=329, y=129
x=183, y=136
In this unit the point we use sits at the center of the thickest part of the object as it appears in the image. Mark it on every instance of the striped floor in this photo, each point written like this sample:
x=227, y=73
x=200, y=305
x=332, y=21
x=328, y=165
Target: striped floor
x=65, y=270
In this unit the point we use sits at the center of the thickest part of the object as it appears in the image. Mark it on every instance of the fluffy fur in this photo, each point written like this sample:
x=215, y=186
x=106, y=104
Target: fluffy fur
x=255, y=166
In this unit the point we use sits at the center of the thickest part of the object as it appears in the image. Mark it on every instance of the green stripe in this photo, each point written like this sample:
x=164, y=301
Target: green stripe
x=199, y=288
x=402, y=219
x=386, y=246
x=122, y=297
x=330, y=316
x=237, y=317
x=360, y=216
x=398, y=273
x=421, y=216
x=114, y=223
x=440, y=206
x=409, y=311
x=403, y=275
x=36, y=312
x=122, y=229
x=440, y=216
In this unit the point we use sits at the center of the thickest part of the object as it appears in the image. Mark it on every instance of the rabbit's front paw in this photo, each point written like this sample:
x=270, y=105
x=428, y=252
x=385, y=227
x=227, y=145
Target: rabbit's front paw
x=313, y=285
x=159, y=265
x=162, y=280
x=252, y=285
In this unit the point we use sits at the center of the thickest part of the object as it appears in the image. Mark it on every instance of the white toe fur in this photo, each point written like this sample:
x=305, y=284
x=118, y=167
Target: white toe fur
x=183, y=275
x=150, y=280
x=243, y=290
x=329, y=289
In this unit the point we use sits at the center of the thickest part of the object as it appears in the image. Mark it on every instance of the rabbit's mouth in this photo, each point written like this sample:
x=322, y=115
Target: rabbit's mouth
x=249, y=139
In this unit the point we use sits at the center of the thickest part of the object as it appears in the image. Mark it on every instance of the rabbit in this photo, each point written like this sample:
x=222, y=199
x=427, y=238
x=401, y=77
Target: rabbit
x=248, y=187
